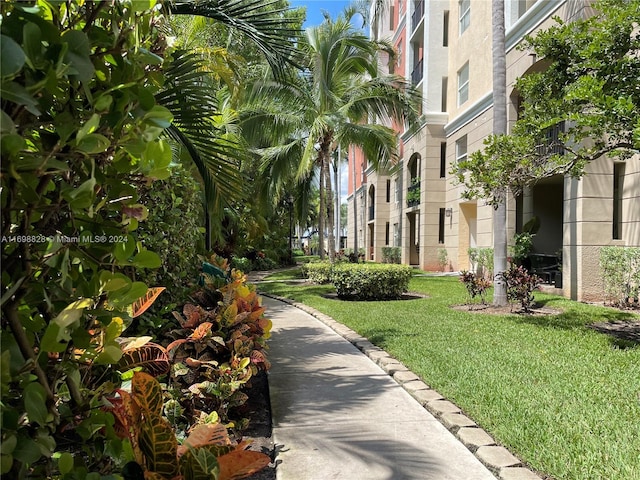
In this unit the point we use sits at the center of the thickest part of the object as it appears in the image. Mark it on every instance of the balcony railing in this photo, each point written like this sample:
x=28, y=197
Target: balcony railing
x=416, y=75
x=417, y=15
x=372, y=212
x=413, y=193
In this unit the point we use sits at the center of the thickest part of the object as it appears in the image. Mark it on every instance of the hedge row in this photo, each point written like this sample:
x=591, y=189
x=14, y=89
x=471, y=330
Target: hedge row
x=362, y=281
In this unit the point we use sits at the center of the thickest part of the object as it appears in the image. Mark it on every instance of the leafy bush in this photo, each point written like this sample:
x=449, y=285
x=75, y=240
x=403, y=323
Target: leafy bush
x=391, y=254
x=371, y=281
x=476, y=286
x=318, y=272
x=482, y=258
x=241, y=263
x=443, y=259
x=174, y=231
x=520, y=286
x=621, y=274
x=220, y=343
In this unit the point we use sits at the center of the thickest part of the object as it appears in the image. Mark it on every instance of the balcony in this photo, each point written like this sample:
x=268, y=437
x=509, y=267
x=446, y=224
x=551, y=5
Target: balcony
x=416, y=75
x=417, y=15
x=413, y=193
x=372, y=212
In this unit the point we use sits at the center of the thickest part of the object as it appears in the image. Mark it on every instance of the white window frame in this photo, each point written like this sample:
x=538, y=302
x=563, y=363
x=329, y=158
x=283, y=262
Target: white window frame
x=463, y=84
x=464, y=18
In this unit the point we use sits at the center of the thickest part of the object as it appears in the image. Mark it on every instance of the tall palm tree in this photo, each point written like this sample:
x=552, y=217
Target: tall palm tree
x=334, y=102
x=204, y=126
x=499, y=128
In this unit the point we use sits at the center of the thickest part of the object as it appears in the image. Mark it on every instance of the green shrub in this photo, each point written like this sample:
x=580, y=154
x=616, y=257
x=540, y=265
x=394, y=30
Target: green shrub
x=241, y=263
x=318, y=272
x=391, y=254
x=482, y=258
x=621, y=274
x=371, y=281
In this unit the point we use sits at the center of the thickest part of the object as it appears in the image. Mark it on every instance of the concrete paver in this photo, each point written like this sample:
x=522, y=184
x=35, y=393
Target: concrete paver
x=338, y=415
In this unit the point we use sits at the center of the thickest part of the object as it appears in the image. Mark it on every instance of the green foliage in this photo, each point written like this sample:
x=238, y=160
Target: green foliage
x=241, y=263
x=476, y=286
x=482, y=258
x=81, y=133
x=219, y=344
x=391, y=254
x=413, y=192
x=621, y=274
x=207, y=453
x=443, y=258
x=520, y=286
x=318, y=272
x=522, y=243
x=174, y=230
x=371, y=281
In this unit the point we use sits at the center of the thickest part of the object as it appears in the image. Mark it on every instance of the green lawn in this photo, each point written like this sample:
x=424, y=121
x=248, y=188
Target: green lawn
x=563, y=397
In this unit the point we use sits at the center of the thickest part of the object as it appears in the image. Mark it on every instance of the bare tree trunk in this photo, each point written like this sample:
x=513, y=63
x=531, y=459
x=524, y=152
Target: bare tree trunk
x=330, y=211
x=355, y=207
x=321, y=214
x=499, y=128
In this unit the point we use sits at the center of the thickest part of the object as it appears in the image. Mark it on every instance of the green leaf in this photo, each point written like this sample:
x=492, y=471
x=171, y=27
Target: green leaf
x=89, y=127
x=82, y=196
x=12, y=57
x=93, y=143
x=32, y=41
x=78, y=55
x=103, y=103
x=35, y=403
x=55, y=339
x=110, y=355
x=65, y=463
x=122, y=251
x=159, y=116
x=11, y=144
x=72, y=313
x=26, y=451
x=147, y=259
x=17, y=94
x=110, y=282
x=7, y=125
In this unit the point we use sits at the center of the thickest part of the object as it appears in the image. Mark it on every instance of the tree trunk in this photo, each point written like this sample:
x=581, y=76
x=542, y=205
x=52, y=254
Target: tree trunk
x=499, y=128
x=355, y=207
x=330, y=211
x=321, y=213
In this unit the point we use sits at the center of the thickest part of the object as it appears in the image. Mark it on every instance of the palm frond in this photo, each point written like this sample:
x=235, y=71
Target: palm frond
x=270, y=29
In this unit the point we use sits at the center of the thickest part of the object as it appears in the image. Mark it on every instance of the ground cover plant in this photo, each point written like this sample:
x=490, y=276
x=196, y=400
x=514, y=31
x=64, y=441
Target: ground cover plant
x=562, y=397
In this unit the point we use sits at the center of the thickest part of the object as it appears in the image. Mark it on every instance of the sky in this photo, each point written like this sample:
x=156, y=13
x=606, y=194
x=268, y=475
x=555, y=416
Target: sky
x=315, y=8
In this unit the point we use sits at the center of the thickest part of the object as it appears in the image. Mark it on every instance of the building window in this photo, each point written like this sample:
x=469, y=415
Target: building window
x=618, y=177
x=441, y=218
x=443, y=159
x=388, y=191
x=396, y=190
x=461, y=149
x=463, y=84
x=464, y=7
x=391, y=19
x=396, y=234
x=445, y=85
x=386, y=234
x=445, y=29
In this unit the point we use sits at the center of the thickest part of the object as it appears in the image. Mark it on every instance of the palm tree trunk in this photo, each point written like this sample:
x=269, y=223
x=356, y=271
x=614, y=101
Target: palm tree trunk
x=355, y=207
x=330, y=210
x=321, y=213
x=499, y=128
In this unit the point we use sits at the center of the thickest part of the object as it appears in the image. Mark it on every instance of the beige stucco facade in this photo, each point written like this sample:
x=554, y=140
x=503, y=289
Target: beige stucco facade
x=448, y=56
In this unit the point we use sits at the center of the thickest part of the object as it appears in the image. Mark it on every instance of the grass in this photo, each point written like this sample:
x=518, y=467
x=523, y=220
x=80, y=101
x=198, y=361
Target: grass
x=561, y=396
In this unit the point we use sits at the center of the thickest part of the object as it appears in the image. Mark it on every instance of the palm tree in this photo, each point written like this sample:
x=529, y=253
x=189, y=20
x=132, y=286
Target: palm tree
x=332, y=103
x=204, y=126
x=499, y=128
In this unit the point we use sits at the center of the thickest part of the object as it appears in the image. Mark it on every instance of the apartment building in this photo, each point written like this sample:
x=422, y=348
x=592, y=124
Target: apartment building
x=444, y=47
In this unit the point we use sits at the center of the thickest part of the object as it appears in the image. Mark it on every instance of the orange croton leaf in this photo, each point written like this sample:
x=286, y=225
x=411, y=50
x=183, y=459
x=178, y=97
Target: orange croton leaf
x=147, y=392
x=143, y=303
x=201, y=331
x=205, y=434
x=241, y=463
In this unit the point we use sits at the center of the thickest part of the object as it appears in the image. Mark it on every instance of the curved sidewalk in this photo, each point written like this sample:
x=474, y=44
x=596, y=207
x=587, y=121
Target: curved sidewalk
x=338, y=415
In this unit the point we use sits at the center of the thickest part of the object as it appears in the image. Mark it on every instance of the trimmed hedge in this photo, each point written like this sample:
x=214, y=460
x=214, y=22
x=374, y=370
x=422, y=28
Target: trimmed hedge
x=370, y=281
x=318, y=272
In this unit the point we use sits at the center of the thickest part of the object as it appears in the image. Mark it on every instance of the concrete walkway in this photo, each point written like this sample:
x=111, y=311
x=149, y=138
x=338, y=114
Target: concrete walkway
x=338, y=415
